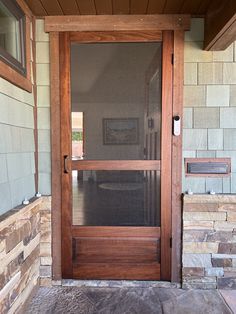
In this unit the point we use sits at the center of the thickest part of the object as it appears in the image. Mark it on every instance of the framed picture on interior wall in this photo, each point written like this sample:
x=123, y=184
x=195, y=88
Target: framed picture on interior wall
x=120, y=131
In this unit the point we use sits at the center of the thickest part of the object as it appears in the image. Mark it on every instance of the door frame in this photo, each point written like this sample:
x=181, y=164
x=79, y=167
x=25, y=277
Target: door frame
x=176, y=150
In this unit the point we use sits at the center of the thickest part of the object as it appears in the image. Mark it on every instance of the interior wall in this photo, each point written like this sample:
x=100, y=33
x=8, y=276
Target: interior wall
x=209, y=108
x=17, y=147
x=108, y=81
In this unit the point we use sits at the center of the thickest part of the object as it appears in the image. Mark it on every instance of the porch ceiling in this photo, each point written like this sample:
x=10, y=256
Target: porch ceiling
x=94, y=7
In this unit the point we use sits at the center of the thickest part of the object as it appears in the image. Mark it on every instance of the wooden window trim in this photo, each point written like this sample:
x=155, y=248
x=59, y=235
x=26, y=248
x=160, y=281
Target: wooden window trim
x=8, y=72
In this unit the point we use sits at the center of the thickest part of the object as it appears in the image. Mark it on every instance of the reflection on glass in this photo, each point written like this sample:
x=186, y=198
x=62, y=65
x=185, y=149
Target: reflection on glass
x=10, y=33
x=116, y=198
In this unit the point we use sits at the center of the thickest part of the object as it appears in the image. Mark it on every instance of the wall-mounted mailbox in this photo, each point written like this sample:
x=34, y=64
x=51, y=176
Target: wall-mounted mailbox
x=210, y=167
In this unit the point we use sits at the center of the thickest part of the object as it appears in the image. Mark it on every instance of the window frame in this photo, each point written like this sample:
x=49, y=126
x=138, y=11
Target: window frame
x=18, y=73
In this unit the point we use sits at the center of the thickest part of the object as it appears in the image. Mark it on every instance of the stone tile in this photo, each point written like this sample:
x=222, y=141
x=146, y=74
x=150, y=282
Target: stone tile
x=197, y=260
x=215, y=184
x=231, y=216
x=194, y=96
x=214, y=271
x=198, y=225
x=201, y=207
x=210, y=73
x=200, y=247
x=229, y=73
x=230, y=298
x=42, y=52
x=44, y=140
x=188, y=118
x=224, y=225
x=230, y=139
x=220, y=236
x=195, y=139
x=204, y=216
x=226, y=283
x=221, y=262
x=195, y=235
x=44, y=162
x=232, y=100
x=226, y=185
x=215, y=139
x=3, y=169
x=197, y=185
x=5, y=196
x=217, y=95
x=227, y=248
x=43, y=96
x=194, y=52
x=196, y=32
x=227, y=118
x=45, y=183
x=40, y=34
x=206, y=153
x=206, y=118
x=190, y=74
x=46, y=271
x=44, y=118
x=42, y=74
x=226, y=55
x=193, y=271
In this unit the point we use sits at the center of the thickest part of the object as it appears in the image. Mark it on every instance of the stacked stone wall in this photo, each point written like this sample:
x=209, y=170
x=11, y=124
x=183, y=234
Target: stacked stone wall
x=25, y=251
x=209, y=241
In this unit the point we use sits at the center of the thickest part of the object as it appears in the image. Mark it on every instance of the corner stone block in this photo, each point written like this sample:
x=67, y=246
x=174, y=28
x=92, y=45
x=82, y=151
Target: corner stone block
x=224, y=225
x=198, y=225
x=227, y=248
x=193, y=272
x=231, y=216
x=197, y=260
x=201, y=207
x=204, y=216
x=221, y=262
x=226, y=283
x=214, y=271
x=200, y=247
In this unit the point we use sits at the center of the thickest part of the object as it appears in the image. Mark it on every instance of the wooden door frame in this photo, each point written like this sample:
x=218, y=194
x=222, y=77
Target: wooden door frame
x=175, y=163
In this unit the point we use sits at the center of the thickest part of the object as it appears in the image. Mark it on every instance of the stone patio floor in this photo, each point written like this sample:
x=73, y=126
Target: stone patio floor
x=130, y=300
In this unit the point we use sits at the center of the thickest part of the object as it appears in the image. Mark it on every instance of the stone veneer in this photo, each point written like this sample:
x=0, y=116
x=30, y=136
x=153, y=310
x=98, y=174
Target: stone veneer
x=25, y=252
x=209, y=241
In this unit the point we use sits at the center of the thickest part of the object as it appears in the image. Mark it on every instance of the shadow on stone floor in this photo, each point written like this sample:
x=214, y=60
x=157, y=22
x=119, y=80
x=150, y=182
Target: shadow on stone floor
x=81, y=300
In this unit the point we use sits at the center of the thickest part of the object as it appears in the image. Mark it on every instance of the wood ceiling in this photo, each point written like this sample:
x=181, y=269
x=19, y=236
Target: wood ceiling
x=93, y=7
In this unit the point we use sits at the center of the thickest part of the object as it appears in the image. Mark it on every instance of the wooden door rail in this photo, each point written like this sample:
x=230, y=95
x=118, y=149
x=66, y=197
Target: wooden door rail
x=116, y=165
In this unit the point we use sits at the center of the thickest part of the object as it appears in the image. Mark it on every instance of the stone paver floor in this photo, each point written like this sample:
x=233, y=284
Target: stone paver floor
x=126, y=300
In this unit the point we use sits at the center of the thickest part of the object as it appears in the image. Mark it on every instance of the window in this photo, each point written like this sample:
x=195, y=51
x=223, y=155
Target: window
x=12, y=35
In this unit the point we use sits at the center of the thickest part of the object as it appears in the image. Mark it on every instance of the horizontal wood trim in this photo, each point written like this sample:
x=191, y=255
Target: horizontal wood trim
x=116, y=250
x=199, y=160
x=147, y=271
x=140, y=22
x=125, y=36
x=116, y=165
x=121, y=232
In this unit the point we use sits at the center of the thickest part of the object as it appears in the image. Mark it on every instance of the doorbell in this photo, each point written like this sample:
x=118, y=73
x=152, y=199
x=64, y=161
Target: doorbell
x=177, y=125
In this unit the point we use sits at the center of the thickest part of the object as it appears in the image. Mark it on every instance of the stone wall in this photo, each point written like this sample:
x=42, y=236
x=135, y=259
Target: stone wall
x=209, y=108
x=23, y=234
x=209, y=241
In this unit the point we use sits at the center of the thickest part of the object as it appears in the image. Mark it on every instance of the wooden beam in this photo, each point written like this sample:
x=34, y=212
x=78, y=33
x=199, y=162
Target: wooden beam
x=117, y=23
x=220, y=25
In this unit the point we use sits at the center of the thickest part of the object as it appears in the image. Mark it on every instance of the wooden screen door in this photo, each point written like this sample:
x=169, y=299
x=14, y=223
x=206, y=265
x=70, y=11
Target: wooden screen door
x=116, y=199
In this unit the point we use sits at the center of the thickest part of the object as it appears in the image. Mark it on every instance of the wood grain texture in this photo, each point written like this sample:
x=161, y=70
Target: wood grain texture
x=36, y=7
x=178, y=79
x=125, y=232
x=125, y=36
x=117, y=23
x=103, y=6
x=66, y=217
x=56, y=154
x=156, y=7
x=116, y=165
x=148, y=271
x=116, y=250
x=190, y=7
x=173, y=6
x=69, y=7
x=220, y=25
x=52, y=7
x=138, y=7
x=121, y=6
x=166, y=153
x=86, y=7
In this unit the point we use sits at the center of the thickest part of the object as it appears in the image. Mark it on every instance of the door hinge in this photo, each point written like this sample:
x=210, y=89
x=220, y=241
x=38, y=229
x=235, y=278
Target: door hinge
x=172, y=58
x=171, y=242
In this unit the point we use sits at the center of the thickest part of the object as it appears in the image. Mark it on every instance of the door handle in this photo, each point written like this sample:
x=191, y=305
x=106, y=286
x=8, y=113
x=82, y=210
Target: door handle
x=66, y=159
